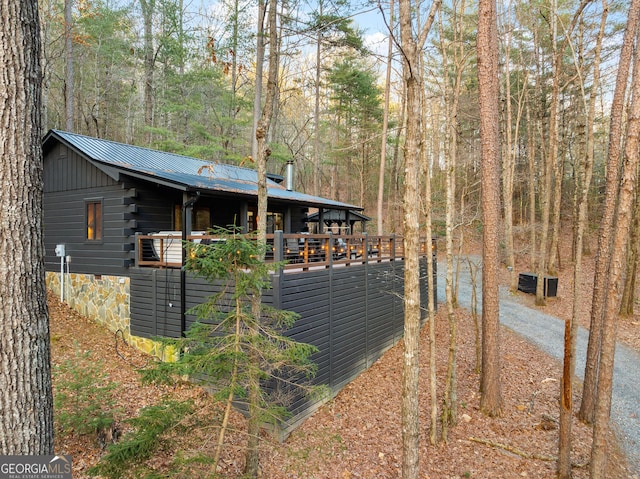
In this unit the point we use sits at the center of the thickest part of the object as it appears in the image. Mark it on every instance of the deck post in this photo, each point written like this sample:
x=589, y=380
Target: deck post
x=276, y=278
x=278, y=246
x=392, y=247
x=137, y=250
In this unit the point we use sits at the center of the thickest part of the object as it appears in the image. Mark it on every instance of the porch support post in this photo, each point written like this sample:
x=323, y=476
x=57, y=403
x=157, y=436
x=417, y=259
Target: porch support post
x=244, y=217
x=276, y=278
x=187, y=212
x=287, y=220
x=320, y=220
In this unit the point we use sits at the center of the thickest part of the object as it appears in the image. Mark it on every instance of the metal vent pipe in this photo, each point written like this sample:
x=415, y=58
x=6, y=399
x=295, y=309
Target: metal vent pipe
x=289, y=180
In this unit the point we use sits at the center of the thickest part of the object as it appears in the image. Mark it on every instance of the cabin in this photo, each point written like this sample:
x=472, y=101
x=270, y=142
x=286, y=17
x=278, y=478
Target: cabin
x=116, y=216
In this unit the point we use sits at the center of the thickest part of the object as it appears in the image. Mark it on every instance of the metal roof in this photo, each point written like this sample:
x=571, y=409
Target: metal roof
x=184, y=171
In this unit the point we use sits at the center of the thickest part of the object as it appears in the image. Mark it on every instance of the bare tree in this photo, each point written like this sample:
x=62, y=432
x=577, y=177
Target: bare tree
x=487, y=46
x=257, y=97
x=410, y=47
x=385, y=124
x=628, y=295
x=26, y=406
x=148, y=8
x=262, y=130
x=585, y=172
x=603, y=254
x=459, y=60
x=431, y=307
x=68, y=46
x=510, y=153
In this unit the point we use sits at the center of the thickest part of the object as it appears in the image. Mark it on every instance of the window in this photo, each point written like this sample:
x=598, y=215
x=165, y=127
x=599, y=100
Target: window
x=200, y=218
x=275, y=221
x=94, y=220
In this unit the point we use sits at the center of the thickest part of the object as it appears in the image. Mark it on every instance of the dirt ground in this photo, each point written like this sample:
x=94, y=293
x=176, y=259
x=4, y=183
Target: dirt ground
x=358, y=433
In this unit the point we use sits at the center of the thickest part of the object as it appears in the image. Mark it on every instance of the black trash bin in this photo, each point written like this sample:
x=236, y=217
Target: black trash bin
x=528, y=282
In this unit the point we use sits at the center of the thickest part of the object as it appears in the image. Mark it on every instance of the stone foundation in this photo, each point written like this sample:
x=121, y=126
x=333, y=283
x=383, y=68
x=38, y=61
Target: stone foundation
x=105, y=299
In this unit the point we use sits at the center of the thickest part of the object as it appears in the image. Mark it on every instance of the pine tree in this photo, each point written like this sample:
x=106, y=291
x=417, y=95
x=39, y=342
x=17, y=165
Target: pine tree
x=219, y=350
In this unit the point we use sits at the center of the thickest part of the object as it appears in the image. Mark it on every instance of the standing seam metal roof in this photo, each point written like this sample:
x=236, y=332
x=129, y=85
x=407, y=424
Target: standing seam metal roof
x=184, y=170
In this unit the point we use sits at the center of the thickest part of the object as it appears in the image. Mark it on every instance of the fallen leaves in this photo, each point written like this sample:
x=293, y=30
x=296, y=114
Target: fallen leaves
x=358, y=434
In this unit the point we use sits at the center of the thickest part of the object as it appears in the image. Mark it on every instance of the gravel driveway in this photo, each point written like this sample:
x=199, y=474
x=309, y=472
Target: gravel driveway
x=547, y=332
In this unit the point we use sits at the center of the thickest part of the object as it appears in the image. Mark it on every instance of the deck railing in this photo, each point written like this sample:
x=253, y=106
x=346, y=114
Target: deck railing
x=300, y=251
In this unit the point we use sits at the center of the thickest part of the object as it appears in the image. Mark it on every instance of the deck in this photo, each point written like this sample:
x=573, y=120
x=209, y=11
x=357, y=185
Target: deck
x=300, y=251
x=347, y=290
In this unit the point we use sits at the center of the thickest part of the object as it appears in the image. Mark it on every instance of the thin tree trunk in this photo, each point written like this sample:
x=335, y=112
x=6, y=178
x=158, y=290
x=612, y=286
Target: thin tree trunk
x=487, y=50
x=257, y=98
x=628, y=295
x=385, y=125
x=508, y=165
x=603, y=254
x=431, y=309
x=148, y=7
x=531, y=161
x=68, y=46
x=571, y=327
x=397, y=162
x=26, y=405
x=412, y=153
x=549, y=163
x=412, y=147
x=316, y=110
x=433, y=384
x=452, y=101
x=252, y=454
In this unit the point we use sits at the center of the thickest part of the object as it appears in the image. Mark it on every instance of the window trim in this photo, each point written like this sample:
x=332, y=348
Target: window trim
x=100, y=227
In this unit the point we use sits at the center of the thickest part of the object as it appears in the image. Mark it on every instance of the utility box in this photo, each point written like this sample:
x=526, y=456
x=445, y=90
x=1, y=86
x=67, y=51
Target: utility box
x=60, y=250
x=528, y=282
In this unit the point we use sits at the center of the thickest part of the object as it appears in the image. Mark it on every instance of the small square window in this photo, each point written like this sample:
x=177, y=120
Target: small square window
x=94, y=220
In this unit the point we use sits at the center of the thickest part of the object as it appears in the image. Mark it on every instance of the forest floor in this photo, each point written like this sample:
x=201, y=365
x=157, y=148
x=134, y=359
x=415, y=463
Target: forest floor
x=358, y=433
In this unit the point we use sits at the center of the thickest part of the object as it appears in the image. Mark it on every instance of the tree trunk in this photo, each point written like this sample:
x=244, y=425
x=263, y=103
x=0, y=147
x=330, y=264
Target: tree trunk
x=571, y=327
x=508, y=165
x=148, y=7
x=316, y=109
x=410, y=420
x=257, y=98
x=26, y=405
x=252, y=454
x=412, y=153
x=385, y=125
x=487, y=46
x=531, y=161
x=603, y=254
x=431, y=307
x=549, y=163
x=628, y=295
x=68, y=46
x=614, y=288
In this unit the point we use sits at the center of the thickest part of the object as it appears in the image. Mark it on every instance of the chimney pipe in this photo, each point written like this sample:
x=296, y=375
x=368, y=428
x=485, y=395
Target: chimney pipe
x=289, y=180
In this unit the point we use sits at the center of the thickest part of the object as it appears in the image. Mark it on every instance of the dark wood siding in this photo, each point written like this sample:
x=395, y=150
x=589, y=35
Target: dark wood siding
x=351, y=314
x=66, y=170
x=128, y=206
x=65, y=223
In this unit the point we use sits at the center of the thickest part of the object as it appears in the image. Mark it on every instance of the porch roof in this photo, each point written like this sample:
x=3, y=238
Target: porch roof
x=178, y=171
